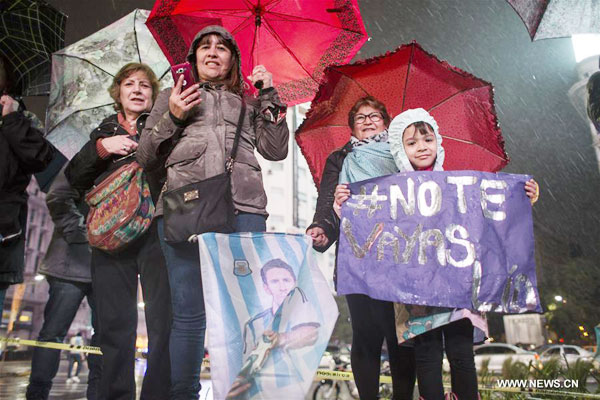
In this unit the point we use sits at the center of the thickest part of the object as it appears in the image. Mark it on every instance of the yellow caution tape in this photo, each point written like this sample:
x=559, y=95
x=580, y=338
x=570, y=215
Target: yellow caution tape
x=344, y=376
x=53, y=345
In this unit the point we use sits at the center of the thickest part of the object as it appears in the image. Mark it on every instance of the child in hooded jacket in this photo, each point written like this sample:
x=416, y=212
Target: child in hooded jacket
x=415, y=144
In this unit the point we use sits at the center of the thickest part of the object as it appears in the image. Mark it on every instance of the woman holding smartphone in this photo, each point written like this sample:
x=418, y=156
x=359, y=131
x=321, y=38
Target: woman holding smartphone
x=191, y=132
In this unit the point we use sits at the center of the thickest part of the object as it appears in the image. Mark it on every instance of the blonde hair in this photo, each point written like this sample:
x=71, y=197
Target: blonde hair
x=126, y=70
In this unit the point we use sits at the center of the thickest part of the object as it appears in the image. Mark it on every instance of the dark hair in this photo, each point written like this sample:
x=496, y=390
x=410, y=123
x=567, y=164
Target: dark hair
x=126, y=70
x=232, y=82
x=6, y=73
x=275, y=263
x=422, y=127
x=368, y=101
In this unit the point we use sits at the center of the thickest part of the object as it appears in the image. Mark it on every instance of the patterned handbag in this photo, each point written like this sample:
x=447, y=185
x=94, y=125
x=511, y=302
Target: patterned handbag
x=121, y=209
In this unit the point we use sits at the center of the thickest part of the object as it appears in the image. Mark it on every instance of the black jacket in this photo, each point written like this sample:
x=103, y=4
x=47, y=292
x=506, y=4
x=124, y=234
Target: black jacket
x=87, y=169
x=23, y=151
x=325, y=217
x=68, y=256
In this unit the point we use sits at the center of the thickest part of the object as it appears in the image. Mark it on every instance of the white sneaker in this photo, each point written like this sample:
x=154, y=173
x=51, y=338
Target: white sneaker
x=76, y=379
x=69, y=380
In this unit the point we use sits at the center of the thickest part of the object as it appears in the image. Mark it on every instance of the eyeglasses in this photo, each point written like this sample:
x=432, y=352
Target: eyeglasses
x=361, y=118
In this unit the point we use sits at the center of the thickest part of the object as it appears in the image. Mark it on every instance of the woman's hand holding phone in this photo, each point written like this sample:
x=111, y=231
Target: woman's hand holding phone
x=182, y=101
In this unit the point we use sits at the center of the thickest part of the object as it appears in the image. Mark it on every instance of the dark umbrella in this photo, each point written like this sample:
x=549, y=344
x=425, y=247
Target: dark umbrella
x=547, y=19
x=30, y=31
x=462, y=104
x=296, y=40
x=593, y=99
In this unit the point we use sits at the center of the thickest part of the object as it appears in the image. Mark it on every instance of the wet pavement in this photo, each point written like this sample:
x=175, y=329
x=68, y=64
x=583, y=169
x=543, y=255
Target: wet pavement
x=14, y=377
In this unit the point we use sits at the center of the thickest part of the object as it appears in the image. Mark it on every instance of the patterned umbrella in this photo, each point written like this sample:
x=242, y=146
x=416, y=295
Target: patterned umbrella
x=462, y=105
x=30, y=31
x=83, y=71
x=296, y=40
x=547, y=19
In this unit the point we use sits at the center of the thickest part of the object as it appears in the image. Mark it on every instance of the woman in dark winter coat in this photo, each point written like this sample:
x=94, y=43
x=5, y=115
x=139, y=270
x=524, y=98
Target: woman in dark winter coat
x=23, y=151
x=115, y=276
x=372, y=320
x=196, y=127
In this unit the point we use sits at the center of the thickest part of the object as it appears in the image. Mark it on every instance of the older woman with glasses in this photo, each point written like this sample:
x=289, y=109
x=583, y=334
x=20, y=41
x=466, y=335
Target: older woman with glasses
x=366, y=155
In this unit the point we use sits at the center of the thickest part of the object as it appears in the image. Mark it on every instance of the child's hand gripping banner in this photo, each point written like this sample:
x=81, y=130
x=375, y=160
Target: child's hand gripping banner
x=269, y=313
x=452, y=239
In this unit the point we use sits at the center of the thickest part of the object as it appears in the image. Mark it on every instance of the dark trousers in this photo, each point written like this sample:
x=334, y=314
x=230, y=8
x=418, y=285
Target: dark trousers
x=189, y=316
x=457, y=339
x=63, y=302
x=372, y=322
x=115, y=280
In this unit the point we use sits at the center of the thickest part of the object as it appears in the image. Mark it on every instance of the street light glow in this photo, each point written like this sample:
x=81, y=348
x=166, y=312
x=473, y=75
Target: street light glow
x=585, y=45
x=39, y=277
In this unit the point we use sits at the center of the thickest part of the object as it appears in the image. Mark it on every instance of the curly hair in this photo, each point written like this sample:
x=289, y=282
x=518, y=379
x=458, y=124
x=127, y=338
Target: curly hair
x=125, y=72
x=7, y=78
x=368, y=101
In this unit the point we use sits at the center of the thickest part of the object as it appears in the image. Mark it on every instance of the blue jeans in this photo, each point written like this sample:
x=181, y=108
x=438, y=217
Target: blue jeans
x=74, y=358
x=63, y=303
x=186, y=344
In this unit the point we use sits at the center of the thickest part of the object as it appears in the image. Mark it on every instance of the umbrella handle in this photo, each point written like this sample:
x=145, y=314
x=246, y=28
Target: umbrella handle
x=257, y=22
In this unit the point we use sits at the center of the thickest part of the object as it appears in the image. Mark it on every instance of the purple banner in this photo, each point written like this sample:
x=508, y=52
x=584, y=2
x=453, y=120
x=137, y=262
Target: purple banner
x=451, y=239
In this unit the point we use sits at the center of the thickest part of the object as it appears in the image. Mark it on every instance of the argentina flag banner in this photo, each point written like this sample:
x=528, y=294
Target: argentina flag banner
x=269, y=311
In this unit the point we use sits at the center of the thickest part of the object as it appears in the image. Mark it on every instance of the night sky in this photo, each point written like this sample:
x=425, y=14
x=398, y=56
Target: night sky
x=545, y=136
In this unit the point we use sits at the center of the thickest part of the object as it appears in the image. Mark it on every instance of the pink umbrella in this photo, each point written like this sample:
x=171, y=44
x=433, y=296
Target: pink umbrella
x=296, y=40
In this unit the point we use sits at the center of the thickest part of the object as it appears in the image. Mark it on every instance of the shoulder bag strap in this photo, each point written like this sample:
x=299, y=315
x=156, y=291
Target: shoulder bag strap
x=236, y=140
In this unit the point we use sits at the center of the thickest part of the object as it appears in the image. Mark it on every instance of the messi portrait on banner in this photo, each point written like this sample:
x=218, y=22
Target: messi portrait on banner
x=270, y=314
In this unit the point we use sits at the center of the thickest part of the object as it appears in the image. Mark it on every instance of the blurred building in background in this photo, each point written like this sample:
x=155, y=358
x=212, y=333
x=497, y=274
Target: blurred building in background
x=291, y=192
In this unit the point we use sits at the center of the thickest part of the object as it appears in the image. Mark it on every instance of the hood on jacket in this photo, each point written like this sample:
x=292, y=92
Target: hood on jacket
x=396, y=130
x=216, y=30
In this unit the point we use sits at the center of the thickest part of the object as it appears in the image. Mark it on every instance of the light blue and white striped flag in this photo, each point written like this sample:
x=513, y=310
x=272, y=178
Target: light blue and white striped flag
x=269, y=312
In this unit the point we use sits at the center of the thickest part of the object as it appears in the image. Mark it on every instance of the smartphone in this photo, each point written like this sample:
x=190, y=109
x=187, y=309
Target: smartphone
x=184, y=69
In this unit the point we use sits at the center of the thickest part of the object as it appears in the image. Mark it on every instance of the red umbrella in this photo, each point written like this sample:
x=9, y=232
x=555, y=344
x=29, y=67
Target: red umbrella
x=547, y=19
x=296, y=40
x=462, y=104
